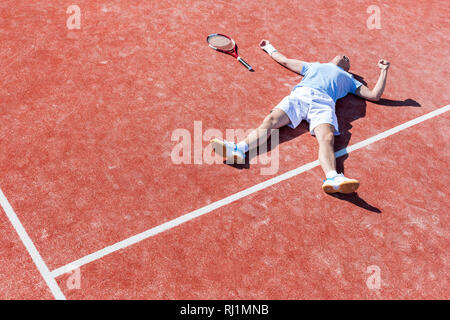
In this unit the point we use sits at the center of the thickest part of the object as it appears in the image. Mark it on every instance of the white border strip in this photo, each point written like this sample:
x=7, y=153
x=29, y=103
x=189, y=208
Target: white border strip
x=215, y=205
x=29, y=245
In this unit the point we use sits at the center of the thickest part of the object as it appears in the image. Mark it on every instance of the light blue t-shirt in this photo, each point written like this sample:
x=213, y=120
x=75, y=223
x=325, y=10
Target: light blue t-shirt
x=329, y=78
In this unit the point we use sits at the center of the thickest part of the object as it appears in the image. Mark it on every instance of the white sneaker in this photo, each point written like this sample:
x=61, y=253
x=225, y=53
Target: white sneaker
x=340, y=184
x=228, y=150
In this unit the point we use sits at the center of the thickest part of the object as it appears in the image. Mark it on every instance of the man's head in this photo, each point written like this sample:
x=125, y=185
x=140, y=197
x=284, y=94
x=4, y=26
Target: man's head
x=342, y=61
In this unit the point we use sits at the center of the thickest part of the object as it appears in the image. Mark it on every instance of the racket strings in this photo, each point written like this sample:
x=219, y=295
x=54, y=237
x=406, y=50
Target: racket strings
x=221, y=43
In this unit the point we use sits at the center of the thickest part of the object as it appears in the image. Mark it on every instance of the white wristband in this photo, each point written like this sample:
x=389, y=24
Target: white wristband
x=270, y=49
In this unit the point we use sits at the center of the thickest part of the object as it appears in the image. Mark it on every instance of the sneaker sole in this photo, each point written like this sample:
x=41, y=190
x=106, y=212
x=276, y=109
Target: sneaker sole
x=220, y=149
x=345, y=187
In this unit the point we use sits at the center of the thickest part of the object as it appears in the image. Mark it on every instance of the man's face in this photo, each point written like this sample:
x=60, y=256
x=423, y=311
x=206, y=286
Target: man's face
x=342, y=61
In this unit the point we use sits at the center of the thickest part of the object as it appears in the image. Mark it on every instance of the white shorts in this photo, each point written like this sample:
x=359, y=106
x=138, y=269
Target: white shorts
x=314, y=106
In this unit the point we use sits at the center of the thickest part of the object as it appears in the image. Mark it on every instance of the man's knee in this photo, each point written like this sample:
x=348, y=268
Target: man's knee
x=276, y=119
x=270, y=122
x=325, y=134
x=328, y=138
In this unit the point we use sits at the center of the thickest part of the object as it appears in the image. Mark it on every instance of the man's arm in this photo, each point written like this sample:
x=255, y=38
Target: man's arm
x=376, y=93
x=291, y=64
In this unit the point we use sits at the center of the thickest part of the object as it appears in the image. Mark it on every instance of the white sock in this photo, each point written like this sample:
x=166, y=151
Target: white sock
x=331, y=174
x=243, y=146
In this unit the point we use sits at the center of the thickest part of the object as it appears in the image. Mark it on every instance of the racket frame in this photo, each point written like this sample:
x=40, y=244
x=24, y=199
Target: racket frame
x=232, y=52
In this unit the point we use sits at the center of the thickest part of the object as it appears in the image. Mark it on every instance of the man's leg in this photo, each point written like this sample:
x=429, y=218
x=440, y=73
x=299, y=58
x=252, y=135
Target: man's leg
x=335, y=182
x=325, y=136
x=236, y=152
x=275, y=120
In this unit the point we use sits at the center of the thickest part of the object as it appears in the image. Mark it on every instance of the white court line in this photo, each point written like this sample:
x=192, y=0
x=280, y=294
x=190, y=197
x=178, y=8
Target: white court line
x=215, y=205
x=29, y=245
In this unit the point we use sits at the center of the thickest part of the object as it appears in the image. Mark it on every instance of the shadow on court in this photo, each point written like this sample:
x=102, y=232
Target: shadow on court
x=356, y=200
x=349, y=109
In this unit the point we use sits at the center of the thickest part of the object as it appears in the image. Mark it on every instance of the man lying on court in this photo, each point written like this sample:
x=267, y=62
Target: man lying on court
x=313, y=100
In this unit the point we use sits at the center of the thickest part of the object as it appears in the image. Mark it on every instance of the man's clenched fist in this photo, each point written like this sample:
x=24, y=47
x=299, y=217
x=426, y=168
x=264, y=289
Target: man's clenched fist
x=383, y=64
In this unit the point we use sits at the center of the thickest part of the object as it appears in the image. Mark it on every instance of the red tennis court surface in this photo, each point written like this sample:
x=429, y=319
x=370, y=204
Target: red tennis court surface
x=86, y=120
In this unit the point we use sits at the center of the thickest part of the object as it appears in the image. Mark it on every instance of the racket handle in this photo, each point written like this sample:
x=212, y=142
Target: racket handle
x=245, y=64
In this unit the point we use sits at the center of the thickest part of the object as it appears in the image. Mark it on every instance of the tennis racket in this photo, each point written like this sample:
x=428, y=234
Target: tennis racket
x=225, y=44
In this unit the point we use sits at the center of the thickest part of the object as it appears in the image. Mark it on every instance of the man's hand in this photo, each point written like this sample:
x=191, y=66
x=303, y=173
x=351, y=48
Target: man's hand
x=263, y=43
x=267, y=47
x=383, y=64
